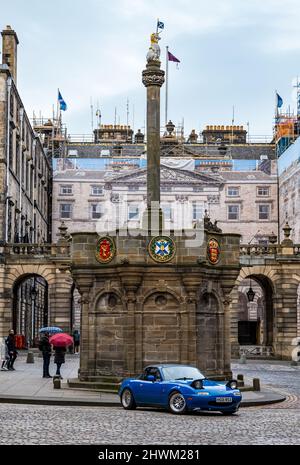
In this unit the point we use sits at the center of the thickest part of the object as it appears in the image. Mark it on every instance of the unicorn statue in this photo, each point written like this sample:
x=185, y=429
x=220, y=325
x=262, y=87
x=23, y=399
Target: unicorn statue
x=154, y=49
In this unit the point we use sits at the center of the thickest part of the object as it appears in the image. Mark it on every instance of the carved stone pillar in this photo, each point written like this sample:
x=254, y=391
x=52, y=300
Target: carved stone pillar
x=86, y=358
x=131, y=282
x=191, y=289
x=130, y=332
x=226, y=338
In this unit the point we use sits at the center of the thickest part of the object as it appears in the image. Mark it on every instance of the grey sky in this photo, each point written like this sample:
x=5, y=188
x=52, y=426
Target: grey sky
x=232, y=52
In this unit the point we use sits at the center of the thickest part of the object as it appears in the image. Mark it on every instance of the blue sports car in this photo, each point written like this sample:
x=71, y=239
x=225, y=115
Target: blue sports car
x=179, y=388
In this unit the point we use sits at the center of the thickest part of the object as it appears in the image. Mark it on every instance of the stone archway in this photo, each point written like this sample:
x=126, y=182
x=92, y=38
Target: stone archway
x=107, y=343
x=30, y=308
x=267, y=314
x=161, y=339
x=252, y=314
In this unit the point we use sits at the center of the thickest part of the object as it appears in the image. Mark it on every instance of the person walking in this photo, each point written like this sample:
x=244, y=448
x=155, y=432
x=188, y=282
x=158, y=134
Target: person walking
x=59, y=359
x=45, y=348
x=11, y=348
x=76, y=339
x=4, y=354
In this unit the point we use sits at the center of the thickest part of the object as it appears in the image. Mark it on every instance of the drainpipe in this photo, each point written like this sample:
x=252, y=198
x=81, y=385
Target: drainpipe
x=21, y=114
x=7, y=190
x=33, y=161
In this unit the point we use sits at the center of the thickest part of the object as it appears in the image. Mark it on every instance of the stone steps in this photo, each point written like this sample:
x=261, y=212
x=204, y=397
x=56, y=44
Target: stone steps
x=101, y=385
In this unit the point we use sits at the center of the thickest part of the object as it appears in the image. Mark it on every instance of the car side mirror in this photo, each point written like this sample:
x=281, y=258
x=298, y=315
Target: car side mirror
x=150, y=378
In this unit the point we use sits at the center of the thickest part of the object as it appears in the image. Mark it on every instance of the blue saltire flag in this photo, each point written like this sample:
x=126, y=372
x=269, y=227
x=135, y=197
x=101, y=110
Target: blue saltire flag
x=62, y=103
x=160, y=25
x=279, y=101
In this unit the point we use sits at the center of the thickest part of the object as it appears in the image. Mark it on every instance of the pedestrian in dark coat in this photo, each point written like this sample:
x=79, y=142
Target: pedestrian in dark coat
x=11, y=348
x=76, y=339
x=59, y=358
x=45, y=348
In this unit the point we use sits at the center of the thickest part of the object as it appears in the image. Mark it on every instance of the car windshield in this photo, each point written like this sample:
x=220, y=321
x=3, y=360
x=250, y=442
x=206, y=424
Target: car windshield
x=181, y=372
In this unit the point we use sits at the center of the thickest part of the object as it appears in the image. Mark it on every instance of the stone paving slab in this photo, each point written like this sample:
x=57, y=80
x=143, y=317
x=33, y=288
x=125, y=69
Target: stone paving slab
x=26, y=385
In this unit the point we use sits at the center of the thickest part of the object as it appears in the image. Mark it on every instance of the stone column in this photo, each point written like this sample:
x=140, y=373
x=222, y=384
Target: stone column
x=234, y=311
x=131, y=282
x=153, y=79
x=85, y=360
x=130, y=333
x=226, y=338
x=192, y=327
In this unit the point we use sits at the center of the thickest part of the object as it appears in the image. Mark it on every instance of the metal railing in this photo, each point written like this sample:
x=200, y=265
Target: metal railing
x=90, y=138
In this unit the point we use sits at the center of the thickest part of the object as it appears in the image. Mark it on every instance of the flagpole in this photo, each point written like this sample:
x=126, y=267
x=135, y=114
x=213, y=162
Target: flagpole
x=167, y=77
x=57, y=108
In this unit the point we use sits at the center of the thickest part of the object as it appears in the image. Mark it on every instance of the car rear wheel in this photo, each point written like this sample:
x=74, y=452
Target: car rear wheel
x=127, y=400
x=177, y=403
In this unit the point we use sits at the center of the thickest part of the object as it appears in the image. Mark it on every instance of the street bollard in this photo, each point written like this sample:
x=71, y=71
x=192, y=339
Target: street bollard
x=240, y=380
x=30, y=357
x=56, y=382
x=256, y=384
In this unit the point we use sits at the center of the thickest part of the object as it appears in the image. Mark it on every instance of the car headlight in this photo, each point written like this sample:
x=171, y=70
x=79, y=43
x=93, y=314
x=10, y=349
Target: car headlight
x=232, y=384
x=197, y=384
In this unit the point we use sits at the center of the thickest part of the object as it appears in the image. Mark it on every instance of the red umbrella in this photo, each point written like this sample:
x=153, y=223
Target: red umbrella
x=61, y=340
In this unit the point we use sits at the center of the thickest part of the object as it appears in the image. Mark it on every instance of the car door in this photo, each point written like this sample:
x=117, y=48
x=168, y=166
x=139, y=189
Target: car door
x=150, y=392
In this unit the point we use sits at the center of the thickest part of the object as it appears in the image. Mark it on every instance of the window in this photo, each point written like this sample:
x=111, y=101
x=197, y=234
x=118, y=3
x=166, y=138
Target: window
x=263, y=191
x=132, y=188
x=11, y=149
x=233, y=212
x=263, y=212
x=97, y=211
x=167, y=212
x=197, y=211
x=133, y=212
x=65, y=210
x=66, y=190
x=96, y=190
x=233, y=191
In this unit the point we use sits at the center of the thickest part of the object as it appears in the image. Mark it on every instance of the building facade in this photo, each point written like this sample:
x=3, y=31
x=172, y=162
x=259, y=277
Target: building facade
x=25, y=171
x=27, y=272
x=245, y=202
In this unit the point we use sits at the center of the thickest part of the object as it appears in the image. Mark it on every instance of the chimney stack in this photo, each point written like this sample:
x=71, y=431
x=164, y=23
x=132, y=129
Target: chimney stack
x=9, y=50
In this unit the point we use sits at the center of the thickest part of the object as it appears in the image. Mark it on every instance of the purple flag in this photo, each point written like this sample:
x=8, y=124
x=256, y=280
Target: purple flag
x=172, y=58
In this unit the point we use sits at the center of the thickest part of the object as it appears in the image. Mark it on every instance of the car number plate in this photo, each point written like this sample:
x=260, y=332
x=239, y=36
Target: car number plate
x=223, y=399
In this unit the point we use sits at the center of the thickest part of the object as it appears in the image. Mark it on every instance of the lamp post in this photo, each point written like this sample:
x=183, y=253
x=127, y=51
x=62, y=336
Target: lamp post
x=250, y=293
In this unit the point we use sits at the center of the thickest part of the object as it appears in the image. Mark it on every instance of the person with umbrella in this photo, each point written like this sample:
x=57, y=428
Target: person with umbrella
x=60, y=341
x=45, y=348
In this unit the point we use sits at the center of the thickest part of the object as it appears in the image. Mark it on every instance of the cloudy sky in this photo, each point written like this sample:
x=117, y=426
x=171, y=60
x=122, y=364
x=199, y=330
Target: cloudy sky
x=232, y=52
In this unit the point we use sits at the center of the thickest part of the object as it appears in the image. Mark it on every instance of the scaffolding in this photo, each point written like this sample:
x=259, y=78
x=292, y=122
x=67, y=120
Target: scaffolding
x=53, y=135
x=286, y=131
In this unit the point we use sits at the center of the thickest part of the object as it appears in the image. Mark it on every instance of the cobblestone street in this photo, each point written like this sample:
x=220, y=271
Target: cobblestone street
x=275, y=424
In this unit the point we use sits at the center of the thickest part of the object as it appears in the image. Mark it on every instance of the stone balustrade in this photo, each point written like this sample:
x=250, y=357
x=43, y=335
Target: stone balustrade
x=258, y=249
x=31, y=250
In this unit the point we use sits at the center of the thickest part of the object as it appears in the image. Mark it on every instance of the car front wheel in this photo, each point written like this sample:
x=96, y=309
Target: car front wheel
x=177, y=403
x=127, y=400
